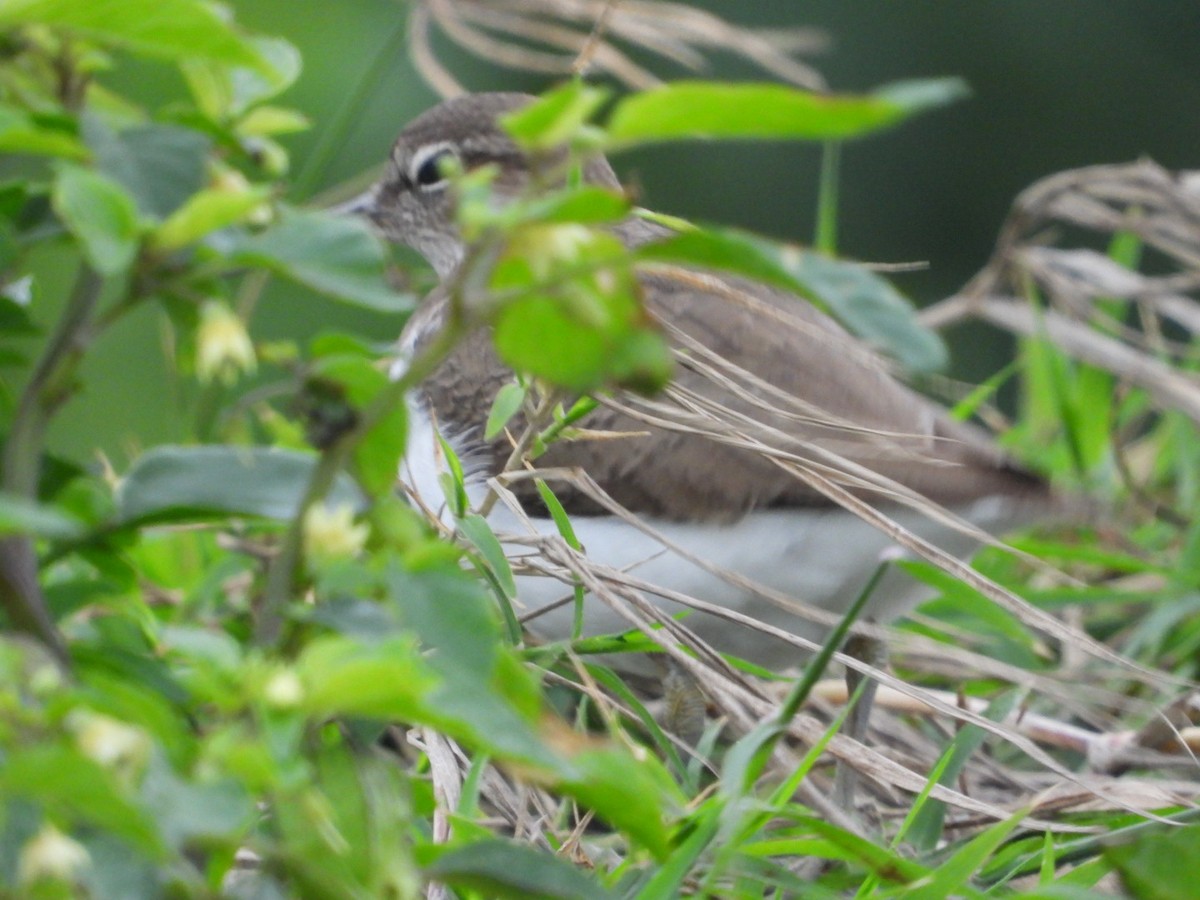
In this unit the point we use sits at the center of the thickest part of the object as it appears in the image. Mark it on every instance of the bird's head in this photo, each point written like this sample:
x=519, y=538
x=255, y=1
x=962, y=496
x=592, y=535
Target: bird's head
x=413, y=204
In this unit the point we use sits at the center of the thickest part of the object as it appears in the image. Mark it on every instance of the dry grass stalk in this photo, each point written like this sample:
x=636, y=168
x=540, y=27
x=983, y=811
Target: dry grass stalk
x=557, y=37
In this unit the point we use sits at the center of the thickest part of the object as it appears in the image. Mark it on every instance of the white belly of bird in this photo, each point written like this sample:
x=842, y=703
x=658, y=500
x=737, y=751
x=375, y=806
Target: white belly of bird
x=771, y=565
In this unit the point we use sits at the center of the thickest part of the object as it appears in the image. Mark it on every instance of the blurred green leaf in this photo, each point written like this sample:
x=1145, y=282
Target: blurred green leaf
x=387, y=679
x=575, y=317
x=864, y=302
x=77, y=789
x=377, y=454
x=21, y=516
x=172, y=29
x=554, y=118
x=586, y=203
x=272, y=120
x=20, y=134
x=507, y=869
x=1159, y=865
x=180, y=483
x=506, y=405
x=186, y=811
x=476, y=530
x=338, y=256
x=204, y=212
x=632, y=794
x=161, y=166
x=708, y=110
x=100, y=214
x=224, y=91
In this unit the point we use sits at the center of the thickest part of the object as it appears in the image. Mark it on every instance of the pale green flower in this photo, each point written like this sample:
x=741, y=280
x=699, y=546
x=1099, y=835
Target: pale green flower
x=223, y=347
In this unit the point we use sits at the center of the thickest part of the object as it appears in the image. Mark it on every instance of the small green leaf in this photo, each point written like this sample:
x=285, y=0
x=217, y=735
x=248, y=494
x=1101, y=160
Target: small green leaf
x=573, y=314
x=209, y=210
x=476, y=530
x=506, y=405
x=183, y=483
x=171, y=29
x=553, y=119
x=100, y=215
x=21, y=516
x=870, y=307
x=585, y=203
x=20, y=134
x=225, y=92
x=711, y=110
x=377, y=454
x=864, y=302
x=501, y=868
x=385, y=679
x=264, y=121
x=338, y=256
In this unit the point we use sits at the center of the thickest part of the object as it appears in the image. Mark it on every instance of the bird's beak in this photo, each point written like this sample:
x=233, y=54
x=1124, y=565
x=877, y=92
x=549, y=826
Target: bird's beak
x=363, y=205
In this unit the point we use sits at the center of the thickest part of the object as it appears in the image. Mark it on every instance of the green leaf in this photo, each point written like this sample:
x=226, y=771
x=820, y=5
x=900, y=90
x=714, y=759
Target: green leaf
x=553, y=119
x=506, y=869
x=868, y=305
x=377, y=454
x=171, y=29
x=186, y=812
x=1160, y=865
x=20, y=134
x=209, y=210
x=714, y=110
x=21, y=516
x=476, y=530
x=225, y=92
x=160, y=165
x=874, y=310
x=337, y=256
x=100, y=215
x=76, y=788
x=506, y=405
x=182, y=483
x=952, y=876
x=629, y=793
x=264, y=121
x=585, y=203
x=575, y=316
x=385, y=679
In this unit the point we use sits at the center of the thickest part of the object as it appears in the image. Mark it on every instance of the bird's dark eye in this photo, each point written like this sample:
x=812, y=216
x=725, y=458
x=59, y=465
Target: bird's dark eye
x=428, y=167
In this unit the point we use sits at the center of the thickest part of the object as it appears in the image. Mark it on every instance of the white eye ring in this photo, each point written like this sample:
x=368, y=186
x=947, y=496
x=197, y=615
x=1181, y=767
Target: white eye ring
x=424, y=169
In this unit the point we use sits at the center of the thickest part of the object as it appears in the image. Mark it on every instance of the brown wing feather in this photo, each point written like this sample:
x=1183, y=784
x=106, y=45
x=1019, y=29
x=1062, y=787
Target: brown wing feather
x=795, y=367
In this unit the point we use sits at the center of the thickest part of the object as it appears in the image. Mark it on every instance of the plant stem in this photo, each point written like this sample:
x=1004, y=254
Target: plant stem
x=49, y=386
x=825, y=239
x=281, y=575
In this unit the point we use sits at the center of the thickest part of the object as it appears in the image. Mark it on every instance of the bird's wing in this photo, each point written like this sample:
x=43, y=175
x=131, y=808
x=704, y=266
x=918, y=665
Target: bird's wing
x=756, y=365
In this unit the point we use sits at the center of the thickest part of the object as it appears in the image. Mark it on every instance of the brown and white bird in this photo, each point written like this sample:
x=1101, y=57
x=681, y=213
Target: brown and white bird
x=791, y=375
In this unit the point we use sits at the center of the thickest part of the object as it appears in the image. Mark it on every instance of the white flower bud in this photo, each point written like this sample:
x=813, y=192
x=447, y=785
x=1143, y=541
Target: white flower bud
x=284, y=690
x=331, y=534
x=223, y=348
x=50, y=854
x=108, y=741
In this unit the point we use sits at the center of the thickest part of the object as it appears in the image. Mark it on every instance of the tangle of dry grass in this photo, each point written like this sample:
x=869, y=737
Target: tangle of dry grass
x=1126, y=729
x=558, y=37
